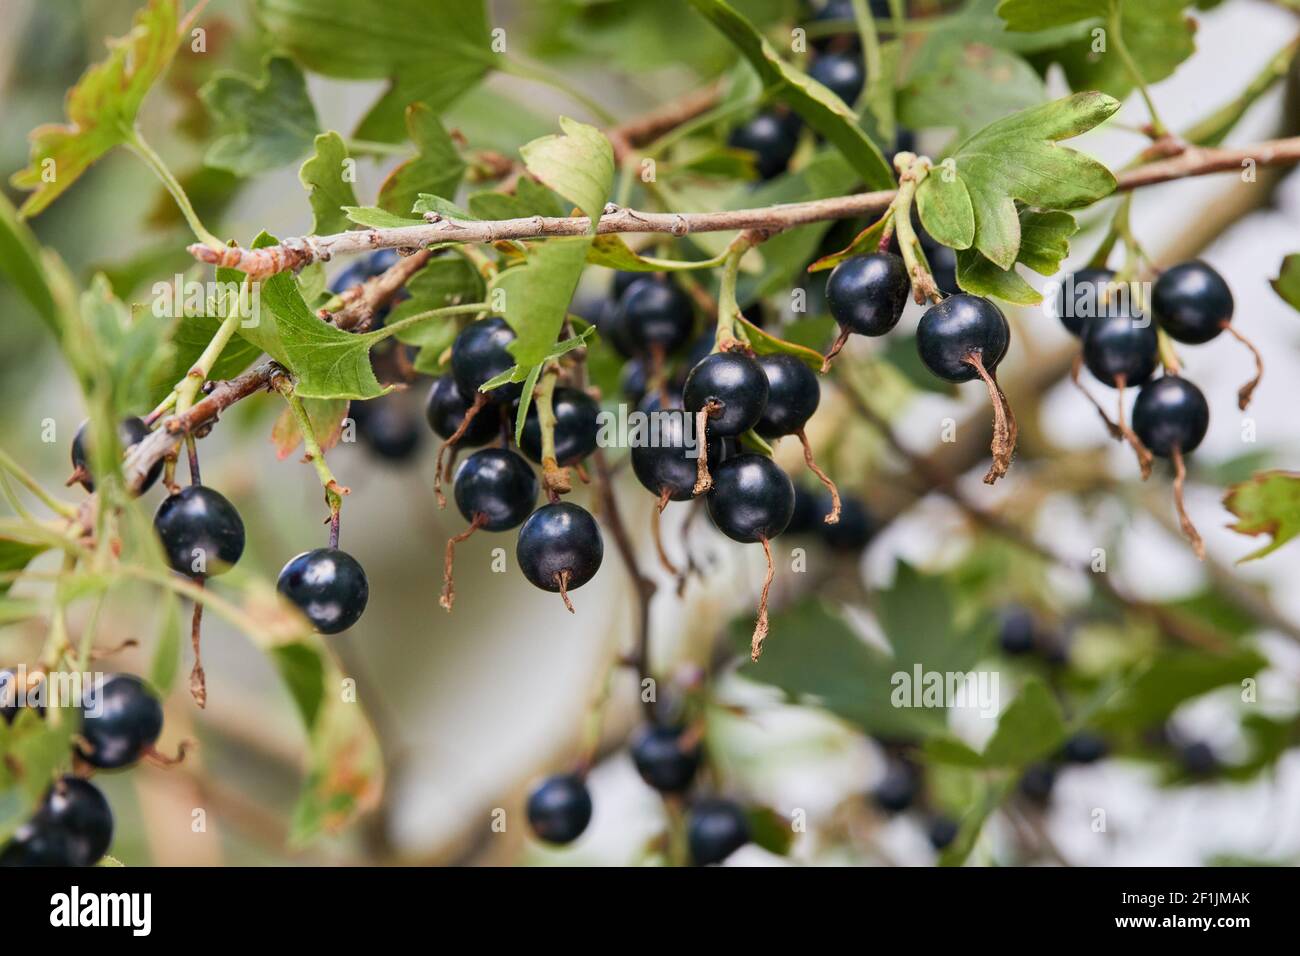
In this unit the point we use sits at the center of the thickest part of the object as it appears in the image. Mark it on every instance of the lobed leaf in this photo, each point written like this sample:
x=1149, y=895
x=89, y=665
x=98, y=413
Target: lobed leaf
x=328, y=189
x=1268, y=503
x=263, y=124
x=436, y=168
x=578, y=164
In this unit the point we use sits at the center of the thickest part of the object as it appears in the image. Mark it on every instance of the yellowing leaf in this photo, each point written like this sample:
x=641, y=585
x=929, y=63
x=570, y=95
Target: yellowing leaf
x=579, y=165
x=1267, y=504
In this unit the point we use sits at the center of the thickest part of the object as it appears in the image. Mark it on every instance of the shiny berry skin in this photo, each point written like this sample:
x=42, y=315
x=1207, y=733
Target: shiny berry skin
x=497, y=484
x=1016, y=631
x=1192, y=302
x=387, y=427
x=853, y=531
x=841, y=73
x=751, y=498
x=130, y=431
x=957, y=327
x=37, y=844
x=201, y=532
x=867, y=294
x=1120, y=346
x=575, y=427
x=329, y=586
x=734, y=380
x=770, y=138
x=479, y=354
x=1084, y=747
x=661, y=760
x=559, y=809
x=670, y=462
x=899, y=788
x=622, y=281
x=557, y=540
x=655, y=315
x=941, y=832
x=79, y=809
x=793, y=394
x=715, y=829
x=120, y=720
x=445, y=409
x=1171, y=413
x=1082, y=298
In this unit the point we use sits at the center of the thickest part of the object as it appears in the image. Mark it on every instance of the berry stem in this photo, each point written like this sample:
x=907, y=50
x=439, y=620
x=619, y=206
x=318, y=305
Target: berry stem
x=448, y=597
x=728, y=309
x=1144, y=456
x=334, y=492
x=1076, y=368
x=761, y=625
x=1180, y=479
x=1005, y=430
x=1167, y=352
x=703, y=480
x=440, y=464
x=1246, y=391
x=467, y=308
x=555, y=478
x=198, y=678
x=656, y=534
x=912, y=172
x=1115, y=23
x=137, y=145
x=834, y=516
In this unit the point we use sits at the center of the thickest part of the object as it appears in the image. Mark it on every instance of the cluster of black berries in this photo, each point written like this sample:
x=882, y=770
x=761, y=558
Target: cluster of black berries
x=902, y=789
x=667, y=758
x=120, y=721
x=1192, y=304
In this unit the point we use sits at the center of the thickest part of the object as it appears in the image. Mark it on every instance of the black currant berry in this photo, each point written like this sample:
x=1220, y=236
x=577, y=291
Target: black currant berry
x=808, y=510
x=609, y=323
x=959, y=327
x=479, y=354
x=497, y=484
x=867, y=294
x=752, y=499
x=329, y=586
x=1084, y=747
x=942, y=831
x=793, y=394
x=120, y=720
x=635, y=380
x=13, y=698
x=575, y=427
x=1192, y=302
x=1082, y=297
x=78, y=808
x=662, y=760
x=560, y=548
x=446, y=407
x=201, y=532
x=130, y=431
x=1198, y=759
x=1016, y=633
x=770, y=138
x=1171, y=413
x=655, y=315
x=853, y=531
x=36, y=843
x=667, y=459
x=899, y=788
x=734, y=385
x=715, y=829
x=559, y=809
x=1037, y=781
x=387, y=427
x=841, y=73
x=1120, y=349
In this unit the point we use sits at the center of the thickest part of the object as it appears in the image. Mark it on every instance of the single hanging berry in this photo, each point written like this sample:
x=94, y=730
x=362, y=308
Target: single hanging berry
x=78, y=808
x=495, y=490
x=1171, y=417
x=120, y=721
x=735, y=383
x=841, y=73
x=866, y=296
x=715, y=829
x=329, y=586
x=965, y=336
x=656, y=316
x=559, y=809
x=387, y=426
x=663, y=759
x=793, y=396
x=560, y=548
x=1122, y=351
x=201, y=532
x=771, y=138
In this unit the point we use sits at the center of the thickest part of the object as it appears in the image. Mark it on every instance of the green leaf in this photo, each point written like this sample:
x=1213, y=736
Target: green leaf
x=190, y=335
x=579, y=165
x=436, y=168
x=949, y=750
x=303, y=672
x=612, y=252
x=431, y=52
x=945, y=209
x=372, y=217
x=821, y=109
x=765, y=343
x=769, y=830
x=16, y=555
x=867, y=241
x=1171, y=678
x=1267, y=504
x=1030, y=16
x=263, y=124
x=328, y=176
x=21, y=262
x=966, y=86
x=102, y=106
x=526, y=400
x=972, y=824
x=1030, y=728
x=1287, y=283
x=1018, y=159
x=166, y=658
x=1045, y=242
x=536, y=296
x=427, y=203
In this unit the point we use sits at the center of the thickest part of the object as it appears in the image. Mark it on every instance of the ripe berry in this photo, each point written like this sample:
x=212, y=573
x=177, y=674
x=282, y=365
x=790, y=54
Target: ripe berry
x=1084, y=747
x=1198, y=759
x=752, y=499
x=560, y=548
x=78, y=808
x=1120, y=348
x=37, y=844
x=841, y=73
x=119, y=722
x=853, y=531
x=329, y=586
x=1016, y=633
x=559, y=809
x=387, y=427
x=668, y=461
x=1082, y=298
x=808, y=510
x=955, y=329
x=733, y=380
x=609, y=323
x=201, y=532
x=772, y=140
x=901, y=784
x=497, y=484
x=867, y=294
x=1171, y=413
x=942, y=831
x=130, y=431
x=1192, y=302
x=662, y=761
x=445, y=408
x=792, y=397
x=715, y=830
x=1037, y=781
x=575, y=427
x=478, y=354
x=655, y=315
